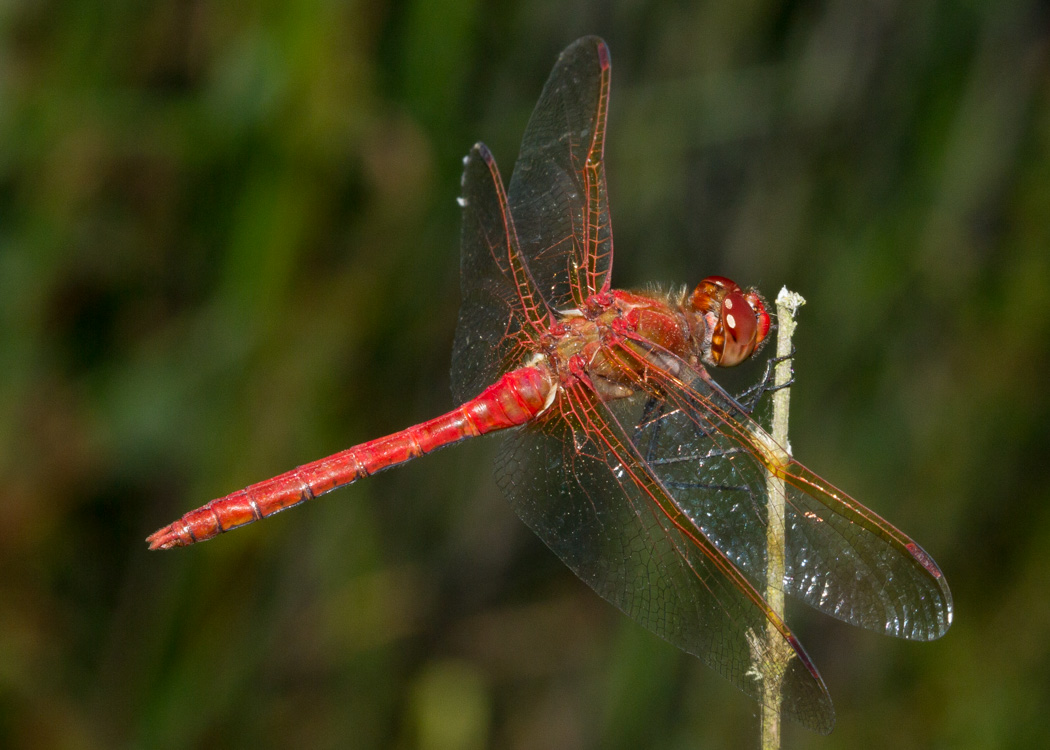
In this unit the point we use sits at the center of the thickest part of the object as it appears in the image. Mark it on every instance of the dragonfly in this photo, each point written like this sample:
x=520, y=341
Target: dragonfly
x=620, y=450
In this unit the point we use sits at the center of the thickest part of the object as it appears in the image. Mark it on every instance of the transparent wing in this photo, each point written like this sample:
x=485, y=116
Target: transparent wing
x=577, y=480
x=841, y=558
x=501, y=311
x=557, y=192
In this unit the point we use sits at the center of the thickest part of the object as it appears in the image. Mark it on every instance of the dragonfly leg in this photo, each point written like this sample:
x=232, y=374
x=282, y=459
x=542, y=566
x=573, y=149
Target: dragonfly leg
x=651, y=421
x=750, y=397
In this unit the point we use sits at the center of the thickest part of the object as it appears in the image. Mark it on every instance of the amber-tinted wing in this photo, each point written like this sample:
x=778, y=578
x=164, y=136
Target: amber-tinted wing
x=577, y=479
x=841, y=558
x=557, y=193
x=502, y=312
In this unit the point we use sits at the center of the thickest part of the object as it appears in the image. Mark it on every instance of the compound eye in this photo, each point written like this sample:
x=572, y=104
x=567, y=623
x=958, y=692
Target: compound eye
x=756, y=303
x=738, y=319
x=741, y=326
x=708, y=295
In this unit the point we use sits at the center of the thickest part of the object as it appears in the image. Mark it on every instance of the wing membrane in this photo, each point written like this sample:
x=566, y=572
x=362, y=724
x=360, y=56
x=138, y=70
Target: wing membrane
x=502, y=311
x=577, y=480
x=841, y=558
x=557, y=192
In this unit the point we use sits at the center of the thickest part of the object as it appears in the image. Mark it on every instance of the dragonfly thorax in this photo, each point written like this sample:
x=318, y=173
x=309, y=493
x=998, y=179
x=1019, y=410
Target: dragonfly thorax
x=591, y=340
x=718, y=325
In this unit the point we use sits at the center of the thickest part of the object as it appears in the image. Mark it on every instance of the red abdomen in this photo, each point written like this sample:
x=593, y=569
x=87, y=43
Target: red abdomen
x=517, y=398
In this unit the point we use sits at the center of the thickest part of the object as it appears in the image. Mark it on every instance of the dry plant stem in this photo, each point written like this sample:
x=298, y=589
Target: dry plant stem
x=787, y=306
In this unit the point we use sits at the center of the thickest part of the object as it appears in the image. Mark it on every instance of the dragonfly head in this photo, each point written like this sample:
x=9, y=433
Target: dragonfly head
x=737, y=320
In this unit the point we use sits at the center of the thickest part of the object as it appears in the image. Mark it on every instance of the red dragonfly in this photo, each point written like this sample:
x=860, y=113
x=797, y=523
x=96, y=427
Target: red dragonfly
x=623, y=455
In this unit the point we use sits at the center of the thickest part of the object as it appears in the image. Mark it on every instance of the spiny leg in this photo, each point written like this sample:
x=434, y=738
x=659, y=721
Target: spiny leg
x=750, y=397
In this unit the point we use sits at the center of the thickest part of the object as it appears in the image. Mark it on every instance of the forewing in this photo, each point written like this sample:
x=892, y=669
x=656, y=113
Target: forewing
x=557, y=192
x=578, y=482
x=501, y=312
x=841, y=558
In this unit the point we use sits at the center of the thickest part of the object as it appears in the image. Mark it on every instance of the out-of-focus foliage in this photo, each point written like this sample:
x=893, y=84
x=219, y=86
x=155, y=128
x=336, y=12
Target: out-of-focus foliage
x=229, y=244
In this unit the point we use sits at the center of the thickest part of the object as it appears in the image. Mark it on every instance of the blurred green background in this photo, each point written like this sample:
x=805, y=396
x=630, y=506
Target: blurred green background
x=229, y=245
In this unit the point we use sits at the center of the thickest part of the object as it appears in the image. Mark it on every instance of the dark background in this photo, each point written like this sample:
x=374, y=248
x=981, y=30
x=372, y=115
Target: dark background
x=229, y=245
